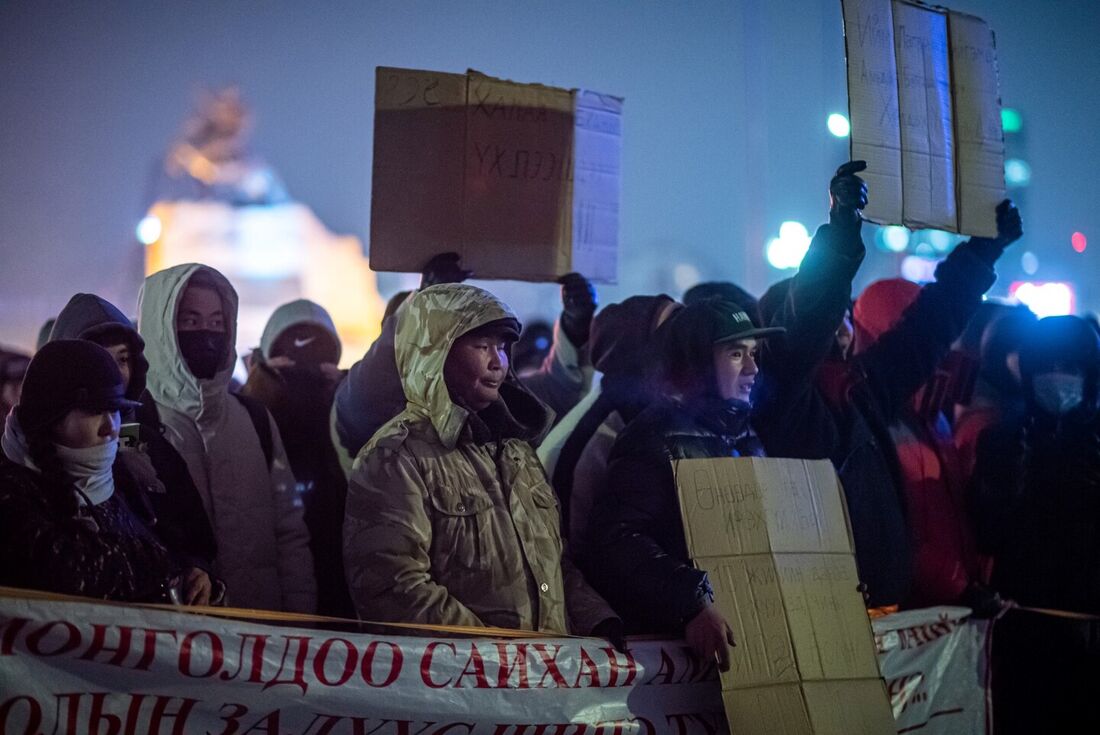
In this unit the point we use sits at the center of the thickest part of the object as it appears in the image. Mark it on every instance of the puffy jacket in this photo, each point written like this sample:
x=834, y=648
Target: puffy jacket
x=870, y=393
x=450, y=518
x=263, y=545
x=300, y=401
x=1037, y=482
x=105, y=551
x=638, y=558
x=165, y=496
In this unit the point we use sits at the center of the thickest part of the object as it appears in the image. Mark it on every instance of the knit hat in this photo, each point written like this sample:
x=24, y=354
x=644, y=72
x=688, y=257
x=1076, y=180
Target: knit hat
x=880, y=307
x=69, y=374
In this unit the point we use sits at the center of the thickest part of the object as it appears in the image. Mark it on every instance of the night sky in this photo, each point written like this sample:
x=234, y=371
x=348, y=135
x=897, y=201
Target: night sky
x=725, y=113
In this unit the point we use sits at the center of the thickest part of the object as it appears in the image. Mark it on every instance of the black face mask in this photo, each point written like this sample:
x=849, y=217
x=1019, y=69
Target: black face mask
x=204, y=351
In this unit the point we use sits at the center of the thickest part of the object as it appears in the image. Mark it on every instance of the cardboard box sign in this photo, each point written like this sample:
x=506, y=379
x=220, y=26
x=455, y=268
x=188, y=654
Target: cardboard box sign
x=797, y=617
x=758, y=505
x=851, y=707
x=925, y=114
x=774, y=538
x=522, y=180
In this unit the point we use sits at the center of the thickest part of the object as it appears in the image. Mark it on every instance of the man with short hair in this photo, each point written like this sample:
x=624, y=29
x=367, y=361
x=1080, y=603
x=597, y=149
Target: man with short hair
x=188, y=318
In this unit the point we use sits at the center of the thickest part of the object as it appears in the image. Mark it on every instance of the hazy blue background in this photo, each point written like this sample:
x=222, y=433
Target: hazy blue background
x=724, y=130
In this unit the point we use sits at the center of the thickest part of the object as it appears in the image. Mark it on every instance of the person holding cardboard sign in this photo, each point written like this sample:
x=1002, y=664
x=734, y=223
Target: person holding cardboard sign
x=639, y=559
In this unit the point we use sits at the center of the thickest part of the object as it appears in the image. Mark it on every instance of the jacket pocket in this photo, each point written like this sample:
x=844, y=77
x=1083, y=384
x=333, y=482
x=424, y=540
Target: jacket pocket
x=461, y=528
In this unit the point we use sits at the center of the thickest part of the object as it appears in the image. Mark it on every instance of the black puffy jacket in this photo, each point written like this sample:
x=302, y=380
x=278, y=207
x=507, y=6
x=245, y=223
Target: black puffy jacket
x=639, y=560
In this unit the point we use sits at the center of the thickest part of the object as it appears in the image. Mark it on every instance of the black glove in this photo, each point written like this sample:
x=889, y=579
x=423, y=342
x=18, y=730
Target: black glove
x=985, y=602
x=443, y=268
x=1010, y=228
x=847, y=196
x=611, y=630
x=578, y=301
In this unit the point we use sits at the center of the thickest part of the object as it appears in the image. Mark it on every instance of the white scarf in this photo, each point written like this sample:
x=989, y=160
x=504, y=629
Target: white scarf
x=89, y=468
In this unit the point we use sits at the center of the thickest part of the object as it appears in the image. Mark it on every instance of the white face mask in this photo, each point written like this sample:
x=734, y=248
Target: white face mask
x=90, y=469
x=1058, y=393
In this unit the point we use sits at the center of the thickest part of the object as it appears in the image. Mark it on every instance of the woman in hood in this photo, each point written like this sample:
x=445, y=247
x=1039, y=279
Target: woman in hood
x=164, y=495
x=63, y=526
x=639, y=559
x=450, y=518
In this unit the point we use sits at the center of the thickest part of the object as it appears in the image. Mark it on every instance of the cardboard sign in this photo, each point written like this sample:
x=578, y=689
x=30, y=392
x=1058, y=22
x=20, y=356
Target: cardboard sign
x=522, y=180
x=925, y=115
x=774, y=537
x=758, y=505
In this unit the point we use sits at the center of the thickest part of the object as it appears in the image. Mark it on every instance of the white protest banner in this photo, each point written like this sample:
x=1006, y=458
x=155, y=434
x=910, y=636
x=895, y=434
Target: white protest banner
x=75, y=667
x=82, y=667
x=925, y=112
x=936, y=669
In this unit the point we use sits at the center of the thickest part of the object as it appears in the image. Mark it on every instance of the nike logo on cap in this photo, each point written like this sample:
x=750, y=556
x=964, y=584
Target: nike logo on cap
x=303, y=342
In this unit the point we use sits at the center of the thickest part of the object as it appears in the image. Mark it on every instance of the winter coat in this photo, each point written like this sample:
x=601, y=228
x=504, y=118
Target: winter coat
x=620, y=343
x=450, y=518
x=865, y=395
x=372, y=394
x=263, y=545
x=167, y=497
x=300, y=402
x=1037, y=482
x=1038, y=507
x=638, y=559
x=105, y=551
x=945, y=552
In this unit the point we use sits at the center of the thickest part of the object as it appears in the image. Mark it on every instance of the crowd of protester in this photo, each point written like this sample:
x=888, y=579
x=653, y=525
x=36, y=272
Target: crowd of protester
x=436, y=483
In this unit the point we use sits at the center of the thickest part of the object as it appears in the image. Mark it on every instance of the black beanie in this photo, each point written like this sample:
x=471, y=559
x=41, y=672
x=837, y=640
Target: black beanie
x=69, y=374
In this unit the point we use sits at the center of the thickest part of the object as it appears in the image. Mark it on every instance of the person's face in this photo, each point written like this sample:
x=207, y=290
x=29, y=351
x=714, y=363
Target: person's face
x=123, y=358
x=735, y=369
x=81, y=429
x=200, y=308
x=476, y=367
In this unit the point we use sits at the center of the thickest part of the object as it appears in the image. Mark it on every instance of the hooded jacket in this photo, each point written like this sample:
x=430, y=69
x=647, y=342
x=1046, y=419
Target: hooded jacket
x=622, y=337
x=263, y=545
x=944, y=551
x=1037, y=482
x=372, y=393
x=450, y=518
x=866, y=394
x=998, y=396
x=300, y=399
x=165, y=496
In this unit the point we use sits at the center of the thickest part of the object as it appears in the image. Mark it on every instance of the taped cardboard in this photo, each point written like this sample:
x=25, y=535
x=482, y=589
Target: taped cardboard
x=925, y=113
x=522, y=180
x=774, y=538
x=979, y=137
x=760, y=505
x=849, y=707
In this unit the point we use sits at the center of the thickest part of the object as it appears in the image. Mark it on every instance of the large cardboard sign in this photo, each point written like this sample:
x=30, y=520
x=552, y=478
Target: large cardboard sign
x=522, y=180
x=774, y=537
x=925, y=113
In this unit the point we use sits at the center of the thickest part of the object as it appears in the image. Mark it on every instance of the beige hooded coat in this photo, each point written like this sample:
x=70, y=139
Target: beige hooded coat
x=450, y=519
x=263, y=545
